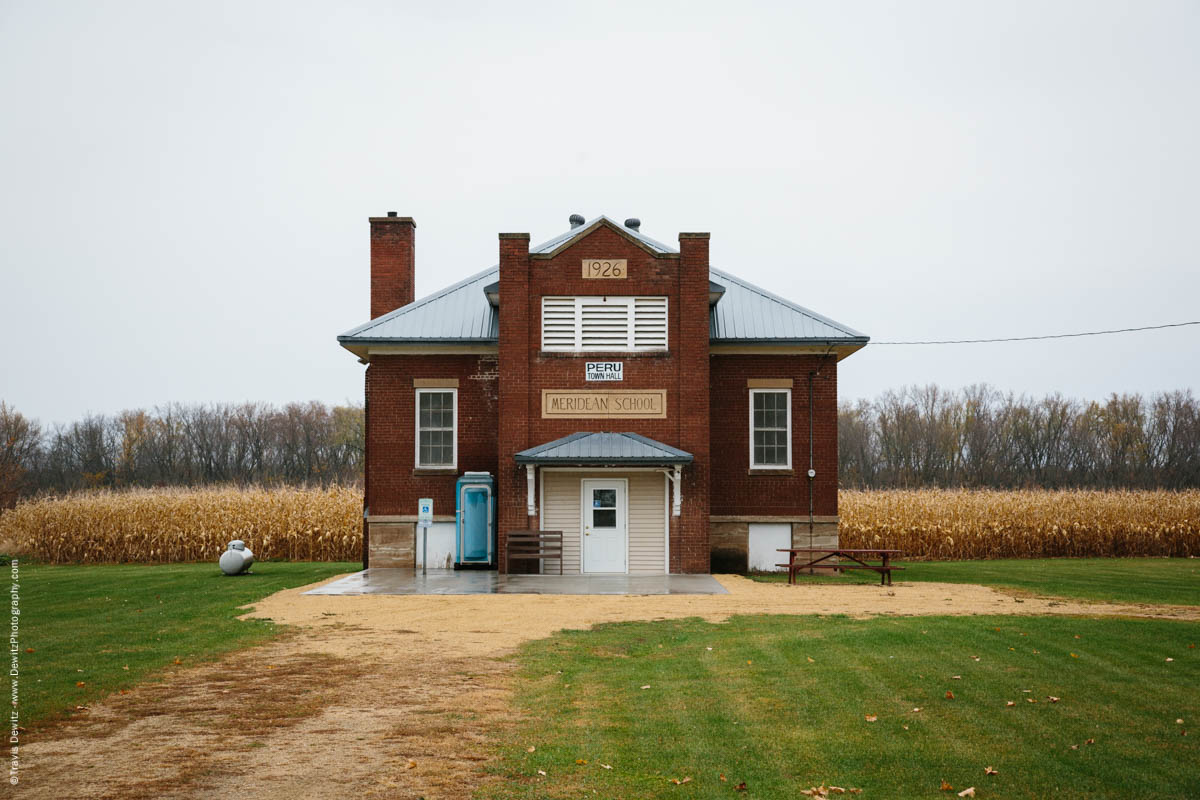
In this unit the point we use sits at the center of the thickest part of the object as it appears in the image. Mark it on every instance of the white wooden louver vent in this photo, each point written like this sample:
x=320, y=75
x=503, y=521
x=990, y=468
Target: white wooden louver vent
x=604, y=323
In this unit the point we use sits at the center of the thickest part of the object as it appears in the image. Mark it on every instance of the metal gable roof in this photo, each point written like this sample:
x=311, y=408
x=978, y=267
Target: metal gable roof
x=603, y=448
x=747, y=314
x=462, y=313
x=457, y=314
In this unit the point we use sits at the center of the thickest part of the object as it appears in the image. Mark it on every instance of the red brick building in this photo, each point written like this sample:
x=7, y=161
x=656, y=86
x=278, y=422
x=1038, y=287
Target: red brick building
x=664, y=415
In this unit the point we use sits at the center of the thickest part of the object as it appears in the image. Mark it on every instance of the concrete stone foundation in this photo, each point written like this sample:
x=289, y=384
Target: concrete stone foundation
x=729, y=538
x=392, y=544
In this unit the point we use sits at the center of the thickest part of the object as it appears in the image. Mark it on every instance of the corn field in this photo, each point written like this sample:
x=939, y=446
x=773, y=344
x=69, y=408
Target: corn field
x=161, y=525
x=944, y=524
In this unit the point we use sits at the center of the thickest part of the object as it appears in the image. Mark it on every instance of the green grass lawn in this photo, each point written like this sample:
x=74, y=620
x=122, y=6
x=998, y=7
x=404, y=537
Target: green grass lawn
x=781, y=703
x=1173, y=581
x=110, y=627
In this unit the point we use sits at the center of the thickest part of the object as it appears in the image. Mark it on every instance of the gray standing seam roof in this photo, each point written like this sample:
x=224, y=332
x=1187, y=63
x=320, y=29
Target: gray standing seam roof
x=462, y=313
x=593, y=449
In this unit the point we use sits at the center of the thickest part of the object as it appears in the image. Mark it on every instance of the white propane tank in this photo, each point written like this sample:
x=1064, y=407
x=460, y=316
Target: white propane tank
x=232, y=562
x=237, y=558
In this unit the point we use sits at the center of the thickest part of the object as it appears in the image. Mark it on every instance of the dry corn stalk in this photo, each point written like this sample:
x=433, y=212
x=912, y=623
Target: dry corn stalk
x=972, y=524
x=158, y=525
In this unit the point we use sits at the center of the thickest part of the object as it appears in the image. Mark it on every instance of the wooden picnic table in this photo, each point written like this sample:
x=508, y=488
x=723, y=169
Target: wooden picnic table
x=858, y=556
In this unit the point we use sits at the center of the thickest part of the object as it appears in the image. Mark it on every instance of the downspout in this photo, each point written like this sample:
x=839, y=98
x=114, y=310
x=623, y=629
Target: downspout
x=812, y=473
x=366, y=529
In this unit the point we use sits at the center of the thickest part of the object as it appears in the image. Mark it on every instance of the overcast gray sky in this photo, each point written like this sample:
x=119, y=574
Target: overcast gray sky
x=184, y=187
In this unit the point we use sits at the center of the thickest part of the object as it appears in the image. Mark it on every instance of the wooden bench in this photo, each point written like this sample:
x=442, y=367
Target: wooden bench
x=817, y=555
x=529, y=545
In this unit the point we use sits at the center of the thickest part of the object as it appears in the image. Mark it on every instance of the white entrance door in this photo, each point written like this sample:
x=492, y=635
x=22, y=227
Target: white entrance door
x=604, y=526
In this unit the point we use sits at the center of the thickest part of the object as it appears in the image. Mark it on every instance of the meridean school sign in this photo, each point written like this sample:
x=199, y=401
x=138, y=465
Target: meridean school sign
x=615, y=404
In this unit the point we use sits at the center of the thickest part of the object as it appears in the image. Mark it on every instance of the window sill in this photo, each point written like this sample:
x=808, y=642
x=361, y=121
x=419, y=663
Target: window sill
x=435, y=471
x=770, y=471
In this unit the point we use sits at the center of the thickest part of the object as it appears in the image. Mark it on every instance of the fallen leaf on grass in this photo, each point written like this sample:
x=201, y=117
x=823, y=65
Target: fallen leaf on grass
x=530, y=749
x=870, y=717
x=967, y=792
x=177, y=661
x=1074, y=747
x=581, y=761
x=956, y=677
x=990, y=771
x=949, y=695
x=1179, y=721
x=1010, y=703
x=1090, y=741
x=607, y=766
x=126, y=667
x=741, y=787
x=1170, y=659
x=28, y=649
x=647, y=686
x=1073, y=655
x=80, y=683
x=975, y=658
x=837, y=789
x=946, y=787
x=811, y=660
x=1052, y=698
x=541, y=772
x=721, y=777
x=904, y=726
x=916, y=710
x=678, y=782
x=748, y=661
x=1030, y=699
x=708, y=648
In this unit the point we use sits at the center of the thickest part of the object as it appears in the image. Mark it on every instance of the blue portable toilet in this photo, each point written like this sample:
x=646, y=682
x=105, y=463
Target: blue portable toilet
x=475, y=520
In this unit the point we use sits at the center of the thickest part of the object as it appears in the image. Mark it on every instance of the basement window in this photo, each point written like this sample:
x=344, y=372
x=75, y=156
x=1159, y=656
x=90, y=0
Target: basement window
x=591, y=324
x=437, y=428
x=770, y=429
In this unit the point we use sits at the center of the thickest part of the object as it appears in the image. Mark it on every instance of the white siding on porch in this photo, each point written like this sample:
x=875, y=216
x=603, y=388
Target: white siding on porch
x=647, y=517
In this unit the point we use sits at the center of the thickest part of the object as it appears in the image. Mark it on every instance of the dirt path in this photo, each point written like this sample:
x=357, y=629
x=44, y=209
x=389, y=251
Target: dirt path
x=395, y=696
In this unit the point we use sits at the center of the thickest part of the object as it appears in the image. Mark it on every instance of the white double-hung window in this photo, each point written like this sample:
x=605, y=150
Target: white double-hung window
x=583, y=324
x=437, y=428
x=770, y=428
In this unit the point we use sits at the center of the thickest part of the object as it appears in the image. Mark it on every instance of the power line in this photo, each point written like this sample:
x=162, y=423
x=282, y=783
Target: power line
x=1051, y=336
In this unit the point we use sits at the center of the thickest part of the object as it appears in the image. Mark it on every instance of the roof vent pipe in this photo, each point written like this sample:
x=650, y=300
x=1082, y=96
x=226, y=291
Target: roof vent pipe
x=576, y=220
x=391, y=213
x=633, y=223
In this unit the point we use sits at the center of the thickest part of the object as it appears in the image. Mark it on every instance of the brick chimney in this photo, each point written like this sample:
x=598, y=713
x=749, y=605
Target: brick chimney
x=393, y=262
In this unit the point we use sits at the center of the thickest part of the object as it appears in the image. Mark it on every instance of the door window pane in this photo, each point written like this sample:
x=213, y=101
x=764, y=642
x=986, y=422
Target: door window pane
x=604, y=518
x=604, y=498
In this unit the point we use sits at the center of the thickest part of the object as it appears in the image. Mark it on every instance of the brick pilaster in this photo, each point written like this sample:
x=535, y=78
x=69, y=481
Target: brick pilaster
x=516, y=317
x=689, y=534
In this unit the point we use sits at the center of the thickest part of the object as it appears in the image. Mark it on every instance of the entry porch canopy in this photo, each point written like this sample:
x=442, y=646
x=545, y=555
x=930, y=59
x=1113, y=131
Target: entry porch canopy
x=585, y=449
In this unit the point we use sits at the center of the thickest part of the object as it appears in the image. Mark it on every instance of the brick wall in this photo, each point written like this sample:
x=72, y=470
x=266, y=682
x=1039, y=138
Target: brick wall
x=394, y=484
x=738, y=491
x=681, y=371
x=707, y=400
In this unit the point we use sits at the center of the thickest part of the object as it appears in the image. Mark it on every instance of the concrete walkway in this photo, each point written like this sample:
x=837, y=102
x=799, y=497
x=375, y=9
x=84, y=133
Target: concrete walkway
x=448, y=581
